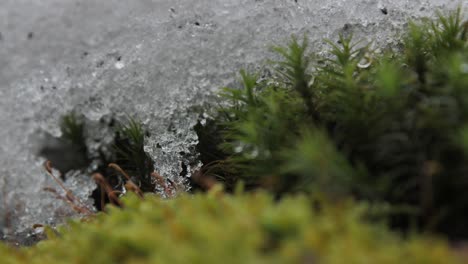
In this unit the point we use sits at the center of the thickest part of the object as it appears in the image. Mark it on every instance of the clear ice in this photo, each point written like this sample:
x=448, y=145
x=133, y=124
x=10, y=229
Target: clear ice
x=156, y=60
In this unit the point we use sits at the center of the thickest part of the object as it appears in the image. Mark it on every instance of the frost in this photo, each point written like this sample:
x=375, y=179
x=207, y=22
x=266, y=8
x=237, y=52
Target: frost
x=153, y=60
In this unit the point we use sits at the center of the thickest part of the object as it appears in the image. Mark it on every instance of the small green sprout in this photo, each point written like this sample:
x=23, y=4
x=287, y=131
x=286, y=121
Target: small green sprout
x=72, y=128
x=131, y=156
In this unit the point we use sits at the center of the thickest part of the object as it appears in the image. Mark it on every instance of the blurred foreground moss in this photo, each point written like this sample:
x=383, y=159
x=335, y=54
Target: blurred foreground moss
x=219, y=228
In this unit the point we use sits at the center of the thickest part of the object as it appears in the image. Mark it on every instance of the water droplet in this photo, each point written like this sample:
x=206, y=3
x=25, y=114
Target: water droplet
x=312, y=80
x=464, y=68
x=39, y=230
x=254, y=153
x=365, y=62
x=119, y=65
x=239, y=148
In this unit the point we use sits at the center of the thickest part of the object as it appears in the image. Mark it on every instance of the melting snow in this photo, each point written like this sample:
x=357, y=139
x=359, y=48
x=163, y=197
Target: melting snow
x=177, y=53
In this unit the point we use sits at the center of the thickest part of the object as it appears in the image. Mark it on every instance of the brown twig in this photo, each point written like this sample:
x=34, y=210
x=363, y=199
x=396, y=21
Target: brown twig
x=77, y=208
x=101, y=181
x=129, y=185
x=205, y=181
x=72, y=200
x=120, y=170
x=161, y=181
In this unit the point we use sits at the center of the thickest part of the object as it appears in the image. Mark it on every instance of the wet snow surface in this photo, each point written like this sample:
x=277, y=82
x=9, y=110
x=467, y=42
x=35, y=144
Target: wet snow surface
x=152, y=59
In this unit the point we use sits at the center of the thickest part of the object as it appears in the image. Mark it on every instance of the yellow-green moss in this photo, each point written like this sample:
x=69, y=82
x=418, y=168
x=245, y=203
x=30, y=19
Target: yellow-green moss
x=220, y=228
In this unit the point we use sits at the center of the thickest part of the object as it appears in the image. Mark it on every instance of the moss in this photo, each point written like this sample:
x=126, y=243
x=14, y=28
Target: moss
x=69, y=152
x=387, y=126
x=241, y=228
x=72, y=128
x=117, y=163
x=131, y=156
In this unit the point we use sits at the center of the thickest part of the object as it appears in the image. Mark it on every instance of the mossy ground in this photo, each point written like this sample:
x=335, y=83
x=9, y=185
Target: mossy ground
x=333, y=152
x=242, y=228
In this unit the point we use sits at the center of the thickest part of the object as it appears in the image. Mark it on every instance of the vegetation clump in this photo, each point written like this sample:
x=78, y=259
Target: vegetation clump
x=383, y=127
x=122, y=166
x=210, y=228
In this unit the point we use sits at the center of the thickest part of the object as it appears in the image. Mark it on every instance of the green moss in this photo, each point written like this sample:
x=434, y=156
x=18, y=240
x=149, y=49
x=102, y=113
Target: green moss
x=131, y=156
x=384, y=126
x=72, y=128
x=126, y=154
x=241, y=228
